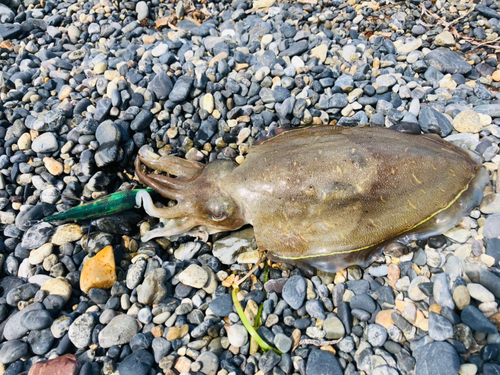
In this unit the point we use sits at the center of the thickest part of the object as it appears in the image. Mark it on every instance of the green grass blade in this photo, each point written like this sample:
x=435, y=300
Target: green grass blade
x=239, y=309
x=256, y=324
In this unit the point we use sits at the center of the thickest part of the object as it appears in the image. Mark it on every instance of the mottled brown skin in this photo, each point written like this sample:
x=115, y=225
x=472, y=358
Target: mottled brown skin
x=326, y=196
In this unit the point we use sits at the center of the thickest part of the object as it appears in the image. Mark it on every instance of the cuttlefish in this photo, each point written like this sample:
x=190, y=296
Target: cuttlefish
x=324, y=196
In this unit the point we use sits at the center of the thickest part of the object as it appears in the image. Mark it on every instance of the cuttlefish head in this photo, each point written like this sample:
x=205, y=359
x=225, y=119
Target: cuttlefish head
x=203, y=206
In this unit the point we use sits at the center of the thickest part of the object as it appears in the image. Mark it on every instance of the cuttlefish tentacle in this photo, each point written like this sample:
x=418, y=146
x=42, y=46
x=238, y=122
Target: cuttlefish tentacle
x=182, y=168
x=167, y=187
x=144, y=199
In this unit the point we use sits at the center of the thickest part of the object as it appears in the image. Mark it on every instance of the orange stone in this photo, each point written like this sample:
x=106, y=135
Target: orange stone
x=435, y=308
x=384, y=318
x=99, y=271
x=64, y=365
x=157, y=331
x=496, y=75
x=495, y=319
x=421, y=321
x=54, y=167
x=177, y=332
x=393, y=274
x=7, y=44
x=148, y=39
x=64, y=92
x=183, y=364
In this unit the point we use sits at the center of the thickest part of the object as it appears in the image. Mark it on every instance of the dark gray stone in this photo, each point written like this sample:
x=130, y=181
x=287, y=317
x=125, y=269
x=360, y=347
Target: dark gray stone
x=436, y=358
x=222, y=306
x=181, y=89
x=294, y=291
x=161, y=85
x=431, y=121
x=137, y=363
x=321, y=362
x=447, y=61
x=475, y=319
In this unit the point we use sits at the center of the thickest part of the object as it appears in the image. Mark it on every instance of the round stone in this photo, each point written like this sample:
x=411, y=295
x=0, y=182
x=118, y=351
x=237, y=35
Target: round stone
x=237, y=335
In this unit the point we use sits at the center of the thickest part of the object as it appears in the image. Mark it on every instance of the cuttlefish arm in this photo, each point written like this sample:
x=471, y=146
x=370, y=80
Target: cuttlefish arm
x=204, y=205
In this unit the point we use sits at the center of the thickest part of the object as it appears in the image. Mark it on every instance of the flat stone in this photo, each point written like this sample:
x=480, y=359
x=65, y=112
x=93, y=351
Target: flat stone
x=137, y=363
x=64, y=365
x=37, y=256
x=447, y=61
x=294, y=291
x=490, y=204
x=222, y=306
x=12, y=351
x=119, y=331
x=322, y=362
x=194, y=276
x=445, y=39
x=431, y=121
x=440, y=328
x=80, y=331
x=66, y=233
x=320, y=52
x=237, y=335
x=437, y=358
x=410, y=46
x=467, y=122
x=153, y=290
x=45, y=143
x=480, y=293
x=476, y=320
x=228, y=248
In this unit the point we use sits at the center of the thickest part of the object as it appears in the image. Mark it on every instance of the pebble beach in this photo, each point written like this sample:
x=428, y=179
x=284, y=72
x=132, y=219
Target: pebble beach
x=85, y=84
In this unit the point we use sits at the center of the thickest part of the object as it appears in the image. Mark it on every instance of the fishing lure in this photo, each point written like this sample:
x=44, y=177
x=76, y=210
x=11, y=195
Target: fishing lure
x=108, y=205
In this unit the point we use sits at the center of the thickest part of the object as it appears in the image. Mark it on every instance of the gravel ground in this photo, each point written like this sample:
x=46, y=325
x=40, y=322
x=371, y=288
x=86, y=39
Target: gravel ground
x=85, y=84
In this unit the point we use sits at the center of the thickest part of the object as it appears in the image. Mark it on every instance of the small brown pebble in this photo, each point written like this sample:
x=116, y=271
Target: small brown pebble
x=157, y=331
x=393, y=274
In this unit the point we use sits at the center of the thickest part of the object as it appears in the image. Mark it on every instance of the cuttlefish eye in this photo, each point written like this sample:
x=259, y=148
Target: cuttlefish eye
x=218, y=216
x=218, y=209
